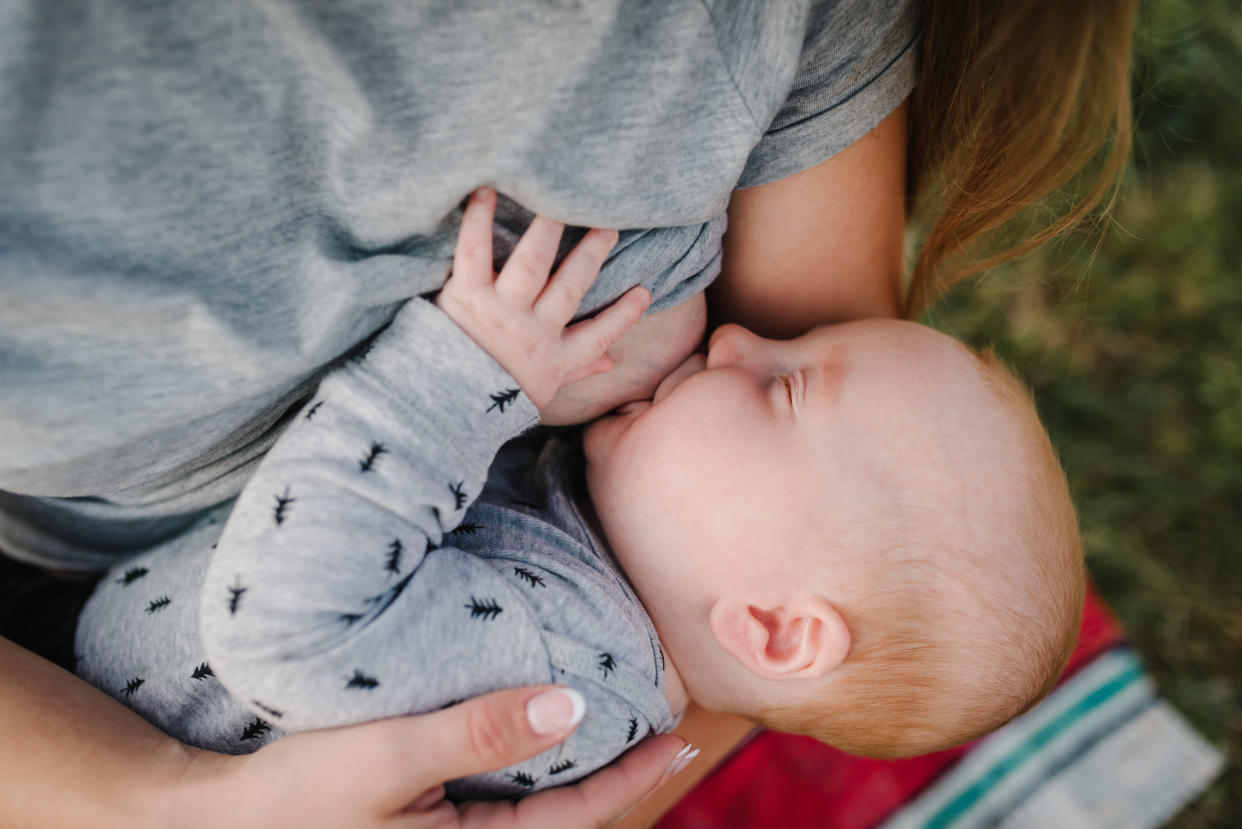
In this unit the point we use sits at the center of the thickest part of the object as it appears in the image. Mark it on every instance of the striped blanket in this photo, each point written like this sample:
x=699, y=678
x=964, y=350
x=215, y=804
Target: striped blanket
x=1103, y=751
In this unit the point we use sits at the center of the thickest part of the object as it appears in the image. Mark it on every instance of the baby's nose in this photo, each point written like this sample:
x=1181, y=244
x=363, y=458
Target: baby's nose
x=729, y=344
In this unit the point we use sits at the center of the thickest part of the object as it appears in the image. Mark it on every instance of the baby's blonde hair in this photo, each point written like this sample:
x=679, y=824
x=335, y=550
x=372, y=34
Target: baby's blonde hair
x=949, y=644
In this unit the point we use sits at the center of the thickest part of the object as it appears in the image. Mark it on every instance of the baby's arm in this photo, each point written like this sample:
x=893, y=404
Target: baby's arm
x=321, y=576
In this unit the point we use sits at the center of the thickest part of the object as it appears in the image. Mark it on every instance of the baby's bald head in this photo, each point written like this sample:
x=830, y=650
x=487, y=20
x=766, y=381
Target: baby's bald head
x=965, y=607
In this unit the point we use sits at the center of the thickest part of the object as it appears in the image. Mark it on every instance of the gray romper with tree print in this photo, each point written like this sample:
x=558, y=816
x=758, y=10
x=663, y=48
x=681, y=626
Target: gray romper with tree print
x=373, y=568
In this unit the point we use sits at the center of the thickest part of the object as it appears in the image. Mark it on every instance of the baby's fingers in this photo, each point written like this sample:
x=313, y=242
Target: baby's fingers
x=559, y=301
x=526, y=270
x=585, y=342
x=472, y=258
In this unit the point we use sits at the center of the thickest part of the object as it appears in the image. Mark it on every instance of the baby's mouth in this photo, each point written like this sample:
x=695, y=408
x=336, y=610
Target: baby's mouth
x=691, y=365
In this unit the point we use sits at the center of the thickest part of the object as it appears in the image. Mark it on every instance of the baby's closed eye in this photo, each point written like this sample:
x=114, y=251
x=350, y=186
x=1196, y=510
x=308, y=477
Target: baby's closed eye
x=793, y=385
x=787, y=382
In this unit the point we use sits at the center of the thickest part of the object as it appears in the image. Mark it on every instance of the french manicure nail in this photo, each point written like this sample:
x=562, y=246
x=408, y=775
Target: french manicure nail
x=555, y=711
x=684, y=761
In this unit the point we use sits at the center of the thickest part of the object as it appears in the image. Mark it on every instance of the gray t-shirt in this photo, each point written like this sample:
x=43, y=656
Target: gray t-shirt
x=204, y=206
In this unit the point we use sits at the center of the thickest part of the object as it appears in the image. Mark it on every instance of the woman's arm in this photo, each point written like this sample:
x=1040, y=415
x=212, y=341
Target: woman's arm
x=823, y=245
x=72, y=756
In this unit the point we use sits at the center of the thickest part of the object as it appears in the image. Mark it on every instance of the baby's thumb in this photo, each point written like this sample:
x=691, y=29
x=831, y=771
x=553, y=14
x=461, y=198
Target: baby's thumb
x=496, y=730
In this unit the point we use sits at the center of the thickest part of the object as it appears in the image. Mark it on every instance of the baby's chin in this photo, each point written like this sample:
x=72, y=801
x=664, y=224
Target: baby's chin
x=601, y=435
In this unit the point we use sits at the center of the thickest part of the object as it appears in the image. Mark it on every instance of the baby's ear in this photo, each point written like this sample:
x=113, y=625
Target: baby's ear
x=801, y=638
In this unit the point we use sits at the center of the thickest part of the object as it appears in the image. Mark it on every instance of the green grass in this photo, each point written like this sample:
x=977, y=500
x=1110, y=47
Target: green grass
x=1134, y=353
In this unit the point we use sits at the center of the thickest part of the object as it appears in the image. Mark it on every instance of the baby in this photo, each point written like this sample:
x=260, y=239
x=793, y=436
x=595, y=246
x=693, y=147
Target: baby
x=861, y=534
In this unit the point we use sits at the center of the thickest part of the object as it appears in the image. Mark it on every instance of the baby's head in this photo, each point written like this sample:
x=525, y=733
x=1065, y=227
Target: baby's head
x=862, y=534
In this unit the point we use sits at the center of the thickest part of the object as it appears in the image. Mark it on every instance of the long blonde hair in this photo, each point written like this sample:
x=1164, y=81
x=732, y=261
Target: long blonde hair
x=1015, y=101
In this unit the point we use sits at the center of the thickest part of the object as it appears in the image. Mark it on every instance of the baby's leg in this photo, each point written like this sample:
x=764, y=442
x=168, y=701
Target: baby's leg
x=138, y=640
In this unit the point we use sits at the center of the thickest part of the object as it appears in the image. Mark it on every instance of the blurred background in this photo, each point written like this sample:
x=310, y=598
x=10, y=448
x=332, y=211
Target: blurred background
x=1133, y=347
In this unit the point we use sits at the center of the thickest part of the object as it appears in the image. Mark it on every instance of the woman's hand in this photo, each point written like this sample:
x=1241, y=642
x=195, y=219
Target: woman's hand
x=521, y=315
x=391, y=773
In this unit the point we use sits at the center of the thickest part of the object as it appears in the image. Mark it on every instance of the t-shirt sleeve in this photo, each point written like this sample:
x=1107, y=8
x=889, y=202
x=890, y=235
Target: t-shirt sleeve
x=858, y=62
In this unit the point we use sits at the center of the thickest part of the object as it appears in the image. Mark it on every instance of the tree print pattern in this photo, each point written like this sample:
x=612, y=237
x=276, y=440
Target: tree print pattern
x=528, y=577
x=522, y=779
x=502, y=399
x=393, y=563
x=459, y=494
x=367, y=463
x=255, y=729
x=281, y=511
x=434, y=504
x=235, y=594
x=159, y=604
x=132, y=575
x=484, y=609
x=361, y=681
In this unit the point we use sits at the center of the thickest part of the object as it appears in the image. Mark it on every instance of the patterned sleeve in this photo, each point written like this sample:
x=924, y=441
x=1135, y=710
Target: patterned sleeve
x=858, y=62
x=324, y=559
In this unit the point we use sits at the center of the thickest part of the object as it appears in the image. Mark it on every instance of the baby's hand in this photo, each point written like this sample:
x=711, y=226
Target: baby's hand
x=519, y=317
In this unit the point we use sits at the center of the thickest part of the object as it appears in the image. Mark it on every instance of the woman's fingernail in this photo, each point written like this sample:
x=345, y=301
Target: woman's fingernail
x=483, y=193
x=682, y=759
x=555, y=711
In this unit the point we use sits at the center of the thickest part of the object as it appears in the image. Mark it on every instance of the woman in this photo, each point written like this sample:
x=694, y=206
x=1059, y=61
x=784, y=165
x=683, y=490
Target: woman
x=252, y=190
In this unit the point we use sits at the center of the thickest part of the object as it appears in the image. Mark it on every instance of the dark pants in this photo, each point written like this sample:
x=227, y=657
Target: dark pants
x=40, y=611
